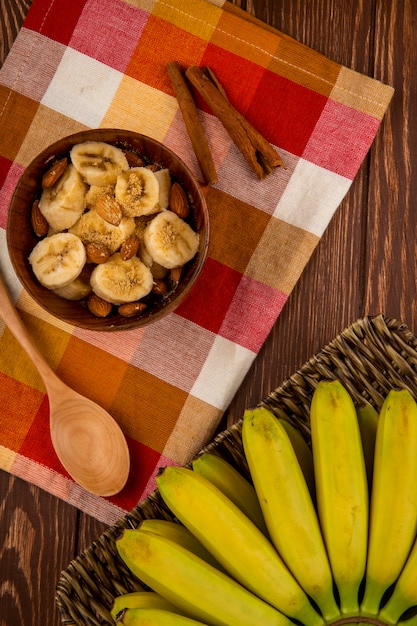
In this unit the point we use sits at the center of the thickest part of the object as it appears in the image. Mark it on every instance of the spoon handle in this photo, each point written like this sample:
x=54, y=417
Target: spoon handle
x=15, y=324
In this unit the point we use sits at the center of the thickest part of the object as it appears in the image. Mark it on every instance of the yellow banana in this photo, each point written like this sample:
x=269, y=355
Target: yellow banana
x=140, y=600
x=404, y=595
x=156, y=617
x=303, y=452
x=235, y=542
x=180, y=534
x=368, y=420
x=287, y=506
x=231, y=482
x=341, y=487
x=195, y=587
x=393, y=510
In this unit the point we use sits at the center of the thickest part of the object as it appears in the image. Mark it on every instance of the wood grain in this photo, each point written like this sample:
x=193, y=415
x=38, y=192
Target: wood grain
x=364, y=264
x=330, y=293
x=12, y=14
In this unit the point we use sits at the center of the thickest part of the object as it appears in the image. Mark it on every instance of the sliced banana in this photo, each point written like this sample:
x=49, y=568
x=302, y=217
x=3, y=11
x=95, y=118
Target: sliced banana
x=99, y=163
x=169, y=240
x=94, y=192
x=118, y=281
x=63, y=203
x=137, y=190
x=164, y=179
x=77, y=289
x=58, y=260
x=91, y=228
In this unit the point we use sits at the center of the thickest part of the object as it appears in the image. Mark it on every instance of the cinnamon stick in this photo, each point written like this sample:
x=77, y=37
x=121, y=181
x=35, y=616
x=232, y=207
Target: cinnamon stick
x=193, y=123
x=258, y=152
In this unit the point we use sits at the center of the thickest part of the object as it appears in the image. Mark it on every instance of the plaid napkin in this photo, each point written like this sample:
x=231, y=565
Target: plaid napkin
x=80, y=64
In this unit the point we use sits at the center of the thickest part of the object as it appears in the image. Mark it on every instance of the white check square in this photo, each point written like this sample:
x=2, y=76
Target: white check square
x=311, y=197
x=82, y=88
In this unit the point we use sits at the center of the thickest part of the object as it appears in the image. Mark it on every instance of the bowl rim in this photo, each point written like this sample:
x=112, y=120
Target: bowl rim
x=39, y=164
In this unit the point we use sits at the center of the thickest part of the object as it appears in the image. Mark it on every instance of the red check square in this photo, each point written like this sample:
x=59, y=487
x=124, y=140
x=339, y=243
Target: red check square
x=210, y=298
x=54, y=20
x=278, y=99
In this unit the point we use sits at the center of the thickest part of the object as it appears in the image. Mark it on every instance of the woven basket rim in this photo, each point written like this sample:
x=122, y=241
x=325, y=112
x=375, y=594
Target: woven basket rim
x=370, y=357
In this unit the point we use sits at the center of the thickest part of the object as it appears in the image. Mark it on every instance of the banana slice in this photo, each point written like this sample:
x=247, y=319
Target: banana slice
x=63, y=203
x=169, y=240
x=99, y=163
x=164, y=179
x=58, y=260
x=94, y=192
x=91, y=228
x=137, y=190
x=78, y=289
x=119, y=281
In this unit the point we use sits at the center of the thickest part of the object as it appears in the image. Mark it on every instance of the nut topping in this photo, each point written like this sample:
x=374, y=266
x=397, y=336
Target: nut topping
x=178, y=201
x=38, y=221
x=131, y=309
x=98, y=307
x=97, y=253
x=109, y=209
x=129, y=247
x=54, y=173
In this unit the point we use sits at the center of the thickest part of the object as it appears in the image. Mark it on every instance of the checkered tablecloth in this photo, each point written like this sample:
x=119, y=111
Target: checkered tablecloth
x=80, y=64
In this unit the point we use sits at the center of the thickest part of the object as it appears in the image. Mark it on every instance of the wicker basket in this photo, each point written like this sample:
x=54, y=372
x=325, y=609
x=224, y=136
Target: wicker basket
x=370, y=357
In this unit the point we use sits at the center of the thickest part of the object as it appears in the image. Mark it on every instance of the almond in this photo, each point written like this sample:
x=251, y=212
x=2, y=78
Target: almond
x=133, y=159
x=54, y=173
x=97, y=252
x=129, y=247
x=109, y=209
x=178, y=201
x=38, y=220
x=98, y=307
x=131, y=309
x=175, y=275
x=159, y=286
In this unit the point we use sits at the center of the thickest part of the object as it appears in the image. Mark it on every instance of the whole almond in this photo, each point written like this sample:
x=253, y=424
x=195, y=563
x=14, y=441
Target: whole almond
x=178, y=201
x=98, y=307
x=38, y=220
x=54, y=173
x=109, y=209
x=131, y=309
x=175, y=275
x=97, y=252
x=133, y=159
x=159, y=286
x=130, y=247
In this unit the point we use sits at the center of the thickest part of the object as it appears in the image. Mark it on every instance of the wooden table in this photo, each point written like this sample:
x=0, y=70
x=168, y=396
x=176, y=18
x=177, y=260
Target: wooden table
x=364, y=264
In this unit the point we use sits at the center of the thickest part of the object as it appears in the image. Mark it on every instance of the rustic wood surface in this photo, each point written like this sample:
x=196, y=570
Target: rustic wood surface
x=364, y=264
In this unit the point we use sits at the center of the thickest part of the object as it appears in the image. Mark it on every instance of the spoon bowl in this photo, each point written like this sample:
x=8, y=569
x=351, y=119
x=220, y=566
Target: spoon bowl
x=87, y=440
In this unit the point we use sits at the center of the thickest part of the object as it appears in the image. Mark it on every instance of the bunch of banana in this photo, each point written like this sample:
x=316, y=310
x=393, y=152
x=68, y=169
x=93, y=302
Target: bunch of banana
x=393, y=510
x=198, y=589
x=287, y=506
x=231, y=482
x=350, y=556
x=341, y=487
x=140, y=600
x=203, y=509
x=101, y=200
x=303, y=452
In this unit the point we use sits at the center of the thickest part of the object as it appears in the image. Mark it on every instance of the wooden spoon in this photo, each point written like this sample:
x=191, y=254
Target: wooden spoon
x=87, y=440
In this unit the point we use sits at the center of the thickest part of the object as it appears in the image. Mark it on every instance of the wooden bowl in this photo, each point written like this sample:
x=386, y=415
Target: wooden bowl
x=21, y=238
